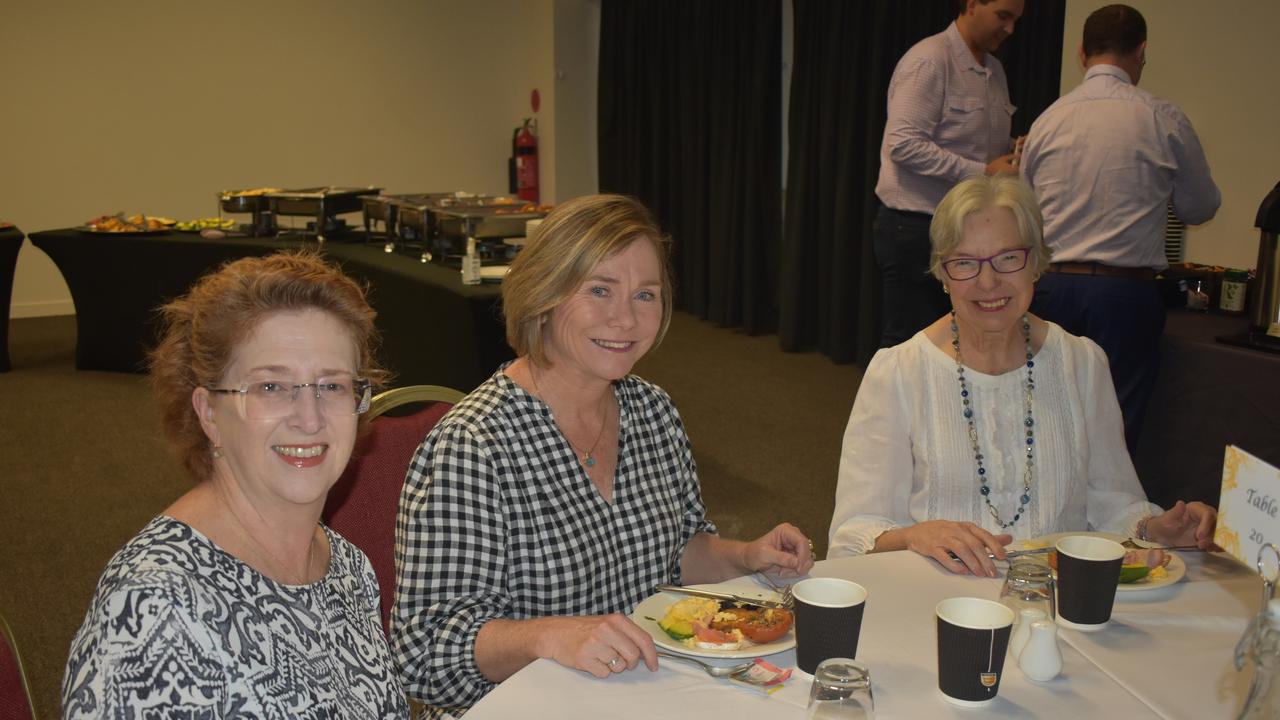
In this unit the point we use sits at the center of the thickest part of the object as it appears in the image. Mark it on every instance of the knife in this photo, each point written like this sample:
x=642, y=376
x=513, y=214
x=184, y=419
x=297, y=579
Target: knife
x=1011, y=553
x=759, y=602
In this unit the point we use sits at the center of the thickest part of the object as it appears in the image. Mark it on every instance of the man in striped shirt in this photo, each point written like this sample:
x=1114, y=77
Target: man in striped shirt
x=949, y=118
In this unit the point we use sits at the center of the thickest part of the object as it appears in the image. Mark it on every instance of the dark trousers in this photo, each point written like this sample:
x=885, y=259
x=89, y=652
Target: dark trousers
x=913, y=297
x=1125, y=317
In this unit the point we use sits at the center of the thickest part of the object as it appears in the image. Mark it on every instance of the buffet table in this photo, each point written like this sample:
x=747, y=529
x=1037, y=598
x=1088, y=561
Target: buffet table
x=435, y=330
x=10, y=244
x=1167, y=653
x=1208, y=395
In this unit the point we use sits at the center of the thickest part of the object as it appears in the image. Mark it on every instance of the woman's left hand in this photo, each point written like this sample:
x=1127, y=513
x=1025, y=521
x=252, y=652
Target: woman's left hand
x=783, y=551
x=1184, y=524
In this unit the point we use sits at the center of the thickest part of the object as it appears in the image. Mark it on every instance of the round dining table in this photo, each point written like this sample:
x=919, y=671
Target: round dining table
x=1167, y=652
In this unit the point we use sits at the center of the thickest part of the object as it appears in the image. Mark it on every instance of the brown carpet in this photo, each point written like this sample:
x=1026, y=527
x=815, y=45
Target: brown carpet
x=82, y=467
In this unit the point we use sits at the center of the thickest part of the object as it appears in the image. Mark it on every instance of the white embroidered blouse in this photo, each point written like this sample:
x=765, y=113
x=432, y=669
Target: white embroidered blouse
x=907, y=456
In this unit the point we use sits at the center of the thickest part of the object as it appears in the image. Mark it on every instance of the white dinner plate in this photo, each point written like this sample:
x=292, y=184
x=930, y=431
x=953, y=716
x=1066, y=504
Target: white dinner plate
x=651, y=610
x=1174, y=571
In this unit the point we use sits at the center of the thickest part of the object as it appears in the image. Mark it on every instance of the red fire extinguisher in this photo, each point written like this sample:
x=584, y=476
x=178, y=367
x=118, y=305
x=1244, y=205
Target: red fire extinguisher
x=524, y=161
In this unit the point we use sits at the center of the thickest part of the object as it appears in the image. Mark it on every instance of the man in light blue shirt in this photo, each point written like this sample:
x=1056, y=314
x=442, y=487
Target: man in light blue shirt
x=1106, y=160
x=949, y=118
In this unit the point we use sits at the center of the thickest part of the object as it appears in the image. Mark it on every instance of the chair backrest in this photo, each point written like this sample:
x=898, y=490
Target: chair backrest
x=362, y=505
x=15, y=693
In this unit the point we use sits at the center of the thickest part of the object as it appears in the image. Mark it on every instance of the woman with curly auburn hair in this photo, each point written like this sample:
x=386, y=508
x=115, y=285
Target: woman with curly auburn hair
x=236, y=600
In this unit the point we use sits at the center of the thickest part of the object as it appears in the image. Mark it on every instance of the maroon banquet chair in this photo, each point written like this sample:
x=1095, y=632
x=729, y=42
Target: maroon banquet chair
x=362, y=504
x=15, y=693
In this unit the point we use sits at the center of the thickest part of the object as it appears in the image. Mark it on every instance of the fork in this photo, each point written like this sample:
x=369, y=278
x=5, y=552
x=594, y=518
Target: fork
x=784, y=591
x=1133, y=545
x=712, y=670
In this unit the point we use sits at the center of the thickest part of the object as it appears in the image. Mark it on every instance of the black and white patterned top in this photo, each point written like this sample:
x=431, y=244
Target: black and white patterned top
x=499, y=520
x=178, y=628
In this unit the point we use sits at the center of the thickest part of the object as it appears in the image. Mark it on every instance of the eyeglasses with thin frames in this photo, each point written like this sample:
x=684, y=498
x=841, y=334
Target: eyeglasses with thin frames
x=1005, y=261
x=272, y=399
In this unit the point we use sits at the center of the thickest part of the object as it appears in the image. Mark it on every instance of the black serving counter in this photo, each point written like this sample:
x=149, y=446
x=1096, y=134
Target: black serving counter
x=435, y=330
x=10, y=244
x=1208, y=395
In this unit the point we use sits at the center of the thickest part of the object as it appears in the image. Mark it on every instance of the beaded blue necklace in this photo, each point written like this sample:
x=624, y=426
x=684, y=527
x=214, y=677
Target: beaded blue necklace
x=1029, y=385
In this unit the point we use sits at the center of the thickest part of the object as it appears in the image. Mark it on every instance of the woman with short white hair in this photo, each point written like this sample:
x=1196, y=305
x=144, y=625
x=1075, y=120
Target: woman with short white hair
x=991, y=424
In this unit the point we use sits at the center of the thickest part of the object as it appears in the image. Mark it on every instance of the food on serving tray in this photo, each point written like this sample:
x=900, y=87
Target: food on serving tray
x=252, y=192
x=702, y=623
x=526, y=208
x=133, y=223
x=207, y=223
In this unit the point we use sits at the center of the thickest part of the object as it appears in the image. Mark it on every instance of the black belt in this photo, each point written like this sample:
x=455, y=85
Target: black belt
x=1093, y=268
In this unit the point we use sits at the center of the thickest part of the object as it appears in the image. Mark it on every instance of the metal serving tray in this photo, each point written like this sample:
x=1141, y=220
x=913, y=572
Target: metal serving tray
x=484, y=222
x=318, y=201
x=322, y=203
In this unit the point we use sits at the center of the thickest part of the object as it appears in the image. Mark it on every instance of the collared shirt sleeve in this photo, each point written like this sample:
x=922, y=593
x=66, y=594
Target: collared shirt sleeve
x=917, y=104
x=1195, y=196
x=451, y=568
x=876, y=464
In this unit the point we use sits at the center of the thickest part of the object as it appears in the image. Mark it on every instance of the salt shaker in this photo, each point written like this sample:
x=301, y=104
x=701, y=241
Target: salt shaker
x=1041, y=660
x=1022, y=633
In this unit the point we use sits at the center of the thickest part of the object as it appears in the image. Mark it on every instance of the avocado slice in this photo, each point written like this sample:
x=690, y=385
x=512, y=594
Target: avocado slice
x=1133, y=573
x=677, y=629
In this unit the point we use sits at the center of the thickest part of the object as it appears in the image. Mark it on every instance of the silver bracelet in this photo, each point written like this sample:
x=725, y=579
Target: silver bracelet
x=1142, y=529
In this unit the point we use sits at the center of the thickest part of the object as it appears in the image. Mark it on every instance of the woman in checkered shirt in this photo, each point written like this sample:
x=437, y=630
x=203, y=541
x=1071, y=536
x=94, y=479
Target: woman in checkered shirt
x=559, y=493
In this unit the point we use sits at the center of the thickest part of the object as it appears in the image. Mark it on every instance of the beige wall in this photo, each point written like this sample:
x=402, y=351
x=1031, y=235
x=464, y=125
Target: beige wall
x=1217, y=62
x=577, y=47
x=153, y=106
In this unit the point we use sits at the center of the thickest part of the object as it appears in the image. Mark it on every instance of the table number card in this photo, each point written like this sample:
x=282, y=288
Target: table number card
x=1249, y=509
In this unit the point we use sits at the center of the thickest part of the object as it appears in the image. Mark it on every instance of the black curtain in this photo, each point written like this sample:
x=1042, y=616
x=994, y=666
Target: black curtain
x=690, y=122
x=845, y=53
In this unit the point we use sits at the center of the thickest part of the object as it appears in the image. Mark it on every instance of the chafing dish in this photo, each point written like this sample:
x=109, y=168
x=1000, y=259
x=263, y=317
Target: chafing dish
x=378, y=209
x=486, y=222
x=392, y=211
x=322, y=203
x=250, y=201
x=418, y=221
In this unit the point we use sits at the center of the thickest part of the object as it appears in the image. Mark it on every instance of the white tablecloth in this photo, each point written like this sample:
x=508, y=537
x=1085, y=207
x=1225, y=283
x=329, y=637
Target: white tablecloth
x=1166, y=654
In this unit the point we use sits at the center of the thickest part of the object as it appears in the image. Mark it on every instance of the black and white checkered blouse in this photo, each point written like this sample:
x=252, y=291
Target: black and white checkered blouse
x=498, y=520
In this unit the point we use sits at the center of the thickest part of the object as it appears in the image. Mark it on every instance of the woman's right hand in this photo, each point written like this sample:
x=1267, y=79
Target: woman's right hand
x=593, y=643
x=969, y=543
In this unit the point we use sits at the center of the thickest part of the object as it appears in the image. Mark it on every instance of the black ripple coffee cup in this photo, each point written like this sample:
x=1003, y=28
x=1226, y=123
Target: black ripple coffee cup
x=973, y=635
x=1088, y=570
x=828, y=620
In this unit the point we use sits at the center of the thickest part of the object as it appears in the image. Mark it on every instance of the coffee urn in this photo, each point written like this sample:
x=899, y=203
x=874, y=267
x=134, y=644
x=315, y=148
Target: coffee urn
x=1264, y=305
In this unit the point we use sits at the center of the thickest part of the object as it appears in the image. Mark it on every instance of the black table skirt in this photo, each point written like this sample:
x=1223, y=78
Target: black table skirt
x=1208, y=395
x=435, y=330
x=10, y=244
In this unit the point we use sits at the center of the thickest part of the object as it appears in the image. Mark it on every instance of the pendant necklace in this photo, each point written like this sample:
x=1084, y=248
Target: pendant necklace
x=1028, y=386
x=587, y=458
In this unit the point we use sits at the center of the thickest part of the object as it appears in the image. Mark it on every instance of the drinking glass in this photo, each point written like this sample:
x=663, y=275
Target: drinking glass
x=841, y=691
x=1028, y=584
